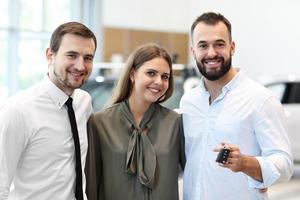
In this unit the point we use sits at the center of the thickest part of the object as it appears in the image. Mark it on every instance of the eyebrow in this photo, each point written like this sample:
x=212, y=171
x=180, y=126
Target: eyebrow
x=90, y=55
x=220, y=40
x=205, y=42
x=75, y=52
x=72, y=52
x=157, y=71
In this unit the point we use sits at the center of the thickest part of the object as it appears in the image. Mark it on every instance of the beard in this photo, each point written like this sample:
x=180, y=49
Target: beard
x=65, y=82
x=214, y=75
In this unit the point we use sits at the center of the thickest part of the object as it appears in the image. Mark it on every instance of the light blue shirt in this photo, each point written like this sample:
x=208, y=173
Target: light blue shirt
x=244, y=114
x=37, y=151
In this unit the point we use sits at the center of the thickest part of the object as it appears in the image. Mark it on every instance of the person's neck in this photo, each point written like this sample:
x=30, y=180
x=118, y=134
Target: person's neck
x=138, y=109
x=214, y=88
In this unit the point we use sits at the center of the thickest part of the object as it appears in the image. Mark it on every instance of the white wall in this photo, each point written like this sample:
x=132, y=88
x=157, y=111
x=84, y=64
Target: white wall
x=266, y=32
x=161, y=15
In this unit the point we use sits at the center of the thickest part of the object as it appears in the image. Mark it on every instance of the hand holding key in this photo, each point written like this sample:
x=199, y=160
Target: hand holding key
x=229, y=157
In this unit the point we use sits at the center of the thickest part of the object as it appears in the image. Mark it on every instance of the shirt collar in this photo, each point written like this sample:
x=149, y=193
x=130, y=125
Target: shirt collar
x=57, y=95
x=230, y=85
x=233, y=82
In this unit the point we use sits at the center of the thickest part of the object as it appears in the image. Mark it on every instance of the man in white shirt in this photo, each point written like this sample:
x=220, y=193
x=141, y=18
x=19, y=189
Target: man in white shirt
x=229, y=110
x=37, y=151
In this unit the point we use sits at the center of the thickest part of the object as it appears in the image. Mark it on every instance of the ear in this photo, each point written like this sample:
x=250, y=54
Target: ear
x=232, y=48
x=49, y=56
x=192, y=51
x=132, y=75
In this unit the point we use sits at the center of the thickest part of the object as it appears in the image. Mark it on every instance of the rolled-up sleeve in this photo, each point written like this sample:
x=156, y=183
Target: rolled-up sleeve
x=276, y=159
x=12, y=144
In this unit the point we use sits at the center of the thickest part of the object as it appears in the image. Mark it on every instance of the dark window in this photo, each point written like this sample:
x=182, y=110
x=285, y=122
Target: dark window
x=293, y=93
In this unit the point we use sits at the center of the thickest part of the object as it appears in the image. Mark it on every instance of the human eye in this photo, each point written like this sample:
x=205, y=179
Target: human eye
x=165, y=77
x=89, y=58
x=151, y=73
x=202, y=46
x=71, y=56
x=220, y=45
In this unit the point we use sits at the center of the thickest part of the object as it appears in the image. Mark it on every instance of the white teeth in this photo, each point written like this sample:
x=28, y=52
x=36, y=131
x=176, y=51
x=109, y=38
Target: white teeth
x=154, y=90
x=212, y=62
x=76, y=74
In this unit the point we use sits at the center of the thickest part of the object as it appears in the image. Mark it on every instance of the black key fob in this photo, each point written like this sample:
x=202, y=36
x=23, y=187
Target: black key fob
x=223, y=155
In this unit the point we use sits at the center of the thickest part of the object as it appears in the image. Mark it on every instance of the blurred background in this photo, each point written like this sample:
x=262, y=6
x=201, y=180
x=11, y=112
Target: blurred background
x=266, y=33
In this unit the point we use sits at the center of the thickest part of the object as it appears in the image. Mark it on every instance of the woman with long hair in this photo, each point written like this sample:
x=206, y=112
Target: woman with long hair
x=136, y=146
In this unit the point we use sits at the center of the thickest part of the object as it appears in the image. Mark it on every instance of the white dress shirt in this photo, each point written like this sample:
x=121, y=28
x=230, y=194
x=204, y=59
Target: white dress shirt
x=244, y=114
x=37, y=152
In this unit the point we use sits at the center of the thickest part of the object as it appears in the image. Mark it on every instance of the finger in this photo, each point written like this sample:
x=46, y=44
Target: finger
x=228, y=166
x=229, y=160
x=218, y=148
x=233, y=154
x=223, y=144
x=233, y=147
x=263, y=190
x=230, y=163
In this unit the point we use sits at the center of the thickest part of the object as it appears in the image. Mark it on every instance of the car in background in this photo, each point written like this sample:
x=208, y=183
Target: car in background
x=287, y=89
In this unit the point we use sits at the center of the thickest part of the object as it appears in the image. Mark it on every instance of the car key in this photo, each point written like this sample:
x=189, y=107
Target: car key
x=223, y=155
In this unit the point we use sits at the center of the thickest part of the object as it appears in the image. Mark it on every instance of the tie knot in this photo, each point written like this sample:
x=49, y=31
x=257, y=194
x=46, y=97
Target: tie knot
x=69, y=102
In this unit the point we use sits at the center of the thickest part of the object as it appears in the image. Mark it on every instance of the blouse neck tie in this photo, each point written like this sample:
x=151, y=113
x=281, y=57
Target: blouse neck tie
x=141, y=156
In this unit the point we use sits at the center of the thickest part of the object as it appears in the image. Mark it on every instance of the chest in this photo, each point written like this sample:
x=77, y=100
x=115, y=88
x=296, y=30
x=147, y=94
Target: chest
x=231, y=120
x=50, y=135
x=115, y=136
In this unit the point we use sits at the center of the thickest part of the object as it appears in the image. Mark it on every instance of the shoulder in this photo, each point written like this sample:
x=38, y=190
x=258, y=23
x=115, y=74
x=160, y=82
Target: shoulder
x=11, y=109
x=24, y=99
x=109, y=112
x=166, y=113
x=255, y=95
x=82, y=94
x=192, y=99
x=108, y=117
x=19, y=106
x=193, y=93
x=166, y=119
x=255, y=89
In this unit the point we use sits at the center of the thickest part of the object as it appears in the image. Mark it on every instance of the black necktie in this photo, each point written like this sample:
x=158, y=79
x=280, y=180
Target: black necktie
x=78, y=169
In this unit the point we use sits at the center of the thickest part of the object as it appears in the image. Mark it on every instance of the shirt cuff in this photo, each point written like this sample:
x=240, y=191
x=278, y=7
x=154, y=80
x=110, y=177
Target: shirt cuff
x=269, y=172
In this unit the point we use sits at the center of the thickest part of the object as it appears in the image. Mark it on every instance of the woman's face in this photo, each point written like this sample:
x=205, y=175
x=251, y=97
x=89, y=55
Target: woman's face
x=150, y=81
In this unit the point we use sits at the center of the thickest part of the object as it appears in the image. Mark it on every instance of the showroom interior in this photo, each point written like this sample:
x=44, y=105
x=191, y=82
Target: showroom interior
x=266, y=35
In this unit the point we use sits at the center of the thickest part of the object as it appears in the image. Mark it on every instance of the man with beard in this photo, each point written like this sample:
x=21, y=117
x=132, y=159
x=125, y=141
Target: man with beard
x=228, y=110
x=42, y=151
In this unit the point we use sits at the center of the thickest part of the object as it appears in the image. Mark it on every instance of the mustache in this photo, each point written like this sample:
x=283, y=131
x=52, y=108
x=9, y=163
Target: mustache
x=213, y=58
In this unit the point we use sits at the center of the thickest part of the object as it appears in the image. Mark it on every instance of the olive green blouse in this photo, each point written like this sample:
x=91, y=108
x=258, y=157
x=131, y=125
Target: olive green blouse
x=129, y=162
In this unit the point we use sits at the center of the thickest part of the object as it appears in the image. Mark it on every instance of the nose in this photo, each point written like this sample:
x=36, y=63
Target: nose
x=79, y=64
x=158, y=80
x=211, y=52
